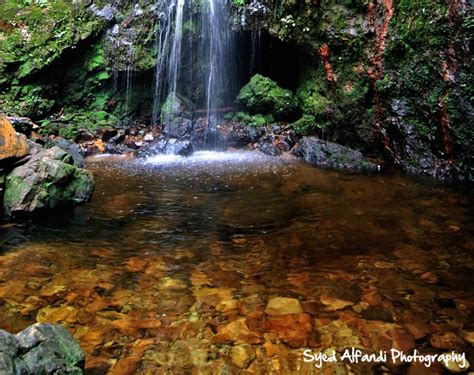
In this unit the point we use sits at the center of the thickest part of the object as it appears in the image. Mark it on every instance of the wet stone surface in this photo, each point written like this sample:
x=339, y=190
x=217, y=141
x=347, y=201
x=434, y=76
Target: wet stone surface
x=238, y=263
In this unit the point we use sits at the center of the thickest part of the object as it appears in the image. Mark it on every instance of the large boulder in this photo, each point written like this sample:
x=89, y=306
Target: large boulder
x=332, y=155
x=40, y=349
x=71, y=148
x=13, y=146
x=178, y=127
x=47, y=180
x=170, y=146
x=262, y=95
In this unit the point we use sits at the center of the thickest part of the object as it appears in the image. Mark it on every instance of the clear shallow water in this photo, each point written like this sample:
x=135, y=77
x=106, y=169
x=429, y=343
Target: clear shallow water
x=173, y=263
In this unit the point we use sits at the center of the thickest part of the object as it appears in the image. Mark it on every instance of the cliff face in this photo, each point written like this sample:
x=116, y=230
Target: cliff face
x=65, y=57
x=391, y=75
x=391, y=78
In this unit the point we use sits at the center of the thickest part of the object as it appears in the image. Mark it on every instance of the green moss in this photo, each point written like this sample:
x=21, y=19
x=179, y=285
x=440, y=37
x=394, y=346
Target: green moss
x=305, y=125
x=238, y=3
x=256, y=120
x=48, y=28
x=15, y=192
x=262, y=95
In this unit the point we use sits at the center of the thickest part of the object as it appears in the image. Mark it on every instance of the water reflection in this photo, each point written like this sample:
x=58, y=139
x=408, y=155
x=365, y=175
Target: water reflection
x=172, y=265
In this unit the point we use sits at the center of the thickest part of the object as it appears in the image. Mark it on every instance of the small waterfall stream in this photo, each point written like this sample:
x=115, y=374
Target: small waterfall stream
x=194, y=59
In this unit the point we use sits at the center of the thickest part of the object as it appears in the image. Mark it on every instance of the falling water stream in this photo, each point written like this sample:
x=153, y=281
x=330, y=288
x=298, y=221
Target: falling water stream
x=193, y=69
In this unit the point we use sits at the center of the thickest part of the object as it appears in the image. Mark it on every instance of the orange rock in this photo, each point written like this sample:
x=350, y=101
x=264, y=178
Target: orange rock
x=238, y=332
x=293, y=329
x=333, y=303
x=126, y=366
x=62, y=314
x=131, y=326
x=283, y=306
x=13, y=146
x=100, y=145
x=446, y=341
x=142, y=345
x=418, y=368
x=402, y=340
x=93, y=338
x=136, y=264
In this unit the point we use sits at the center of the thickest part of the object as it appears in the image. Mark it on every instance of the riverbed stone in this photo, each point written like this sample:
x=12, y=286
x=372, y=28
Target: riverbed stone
x=237, y=331
x=455, y=366
x=468, y=336
x=294, y=329
x=242, y=355
x=333, y=303
x=446, y=341
x=283, y=306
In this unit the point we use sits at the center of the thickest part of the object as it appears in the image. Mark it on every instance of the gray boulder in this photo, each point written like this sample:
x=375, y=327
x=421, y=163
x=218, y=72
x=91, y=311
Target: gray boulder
x=73, y=149
x=40, y=349
x=173, y=146
x=332, y=155
x=178, y=127
x=47, y=180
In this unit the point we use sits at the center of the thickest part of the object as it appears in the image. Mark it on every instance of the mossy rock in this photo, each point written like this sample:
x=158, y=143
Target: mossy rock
x=262, y=95
x=49, y=179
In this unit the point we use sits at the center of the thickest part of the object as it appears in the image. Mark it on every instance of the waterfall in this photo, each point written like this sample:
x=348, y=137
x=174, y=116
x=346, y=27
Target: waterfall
x=194, y=59
x=129, y=72
x=255, y=46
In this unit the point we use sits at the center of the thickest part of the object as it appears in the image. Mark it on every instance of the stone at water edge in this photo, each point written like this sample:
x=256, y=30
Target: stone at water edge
x=169, y=146
x=283, y=306
x=13, y=146
x=73, y=149
x=47, y=180
x=40, y=349
x=332, y=155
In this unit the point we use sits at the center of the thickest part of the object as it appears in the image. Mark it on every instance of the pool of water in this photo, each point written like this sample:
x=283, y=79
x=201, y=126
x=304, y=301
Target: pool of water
x=172, y=266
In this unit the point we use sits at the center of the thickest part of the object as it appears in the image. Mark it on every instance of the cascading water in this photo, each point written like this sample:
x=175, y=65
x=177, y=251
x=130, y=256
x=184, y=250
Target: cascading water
x=194, y=60
x=129, y=71
x=255, y=42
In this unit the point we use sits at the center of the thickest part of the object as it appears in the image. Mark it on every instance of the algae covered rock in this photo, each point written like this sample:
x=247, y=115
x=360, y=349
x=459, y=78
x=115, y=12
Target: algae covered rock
x=262, y=95
x=49, y=179
x=332, y=155
x=40, y=349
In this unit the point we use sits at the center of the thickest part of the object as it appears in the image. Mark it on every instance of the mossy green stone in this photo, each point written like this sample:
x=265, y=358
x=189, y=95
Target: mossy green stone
x=262, y=95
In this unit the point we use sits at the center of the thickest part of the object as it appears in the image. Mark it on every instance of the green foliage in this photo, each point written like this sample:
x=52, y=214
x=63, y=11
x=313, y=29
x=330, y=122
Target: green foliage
x=48, y=27
x=305, y=125
x=256, y=120
x=312, y=99
x=69, y=125
x=239, y=3
x=262, y=95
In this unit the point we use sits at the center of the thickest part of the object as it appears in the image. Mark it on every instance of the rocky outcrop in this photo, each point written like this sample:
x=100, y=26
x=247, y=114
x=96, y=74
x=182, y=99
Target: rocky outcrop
x=13, y=146
x=47, y=180
x=332, y=155
x=171, y=146
x=40, y=349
